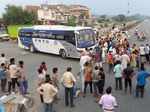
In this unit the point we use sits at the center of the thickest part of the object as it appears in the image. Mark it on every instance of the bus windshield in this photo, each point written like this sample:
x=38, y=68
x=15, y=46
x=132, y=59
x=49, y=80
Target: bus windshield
x=86, y=38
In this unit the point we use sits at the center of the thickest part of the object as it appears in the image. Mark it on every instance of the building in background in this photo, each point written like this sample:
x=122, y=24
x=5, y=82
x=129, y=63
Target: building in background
x=60, y=13
x=32, y=8
x=82, y=13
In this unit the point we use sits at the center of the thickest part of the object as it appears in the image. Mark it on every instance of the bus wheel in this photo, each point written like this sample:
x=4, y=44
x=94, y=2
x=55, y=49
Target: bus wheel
x=63, y=53
x=32, y=48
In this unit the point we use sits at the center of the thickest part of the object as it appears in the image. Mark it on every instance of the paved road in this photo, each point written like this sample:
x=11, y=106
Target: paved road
x=127, y=103
x=143, y=27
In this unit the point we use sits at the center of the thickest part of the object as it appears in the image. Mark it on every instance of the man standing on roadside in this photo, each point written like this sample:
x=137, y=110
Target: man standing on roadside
x=68, y=80
x=108, y=102
x=48, y=91
x=13, y=69
x=3, y=77
x=23, y=83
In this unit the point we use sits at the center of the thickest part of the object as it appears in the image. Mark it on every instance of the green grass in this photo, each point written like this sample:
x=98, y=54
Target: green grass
x=13, y=30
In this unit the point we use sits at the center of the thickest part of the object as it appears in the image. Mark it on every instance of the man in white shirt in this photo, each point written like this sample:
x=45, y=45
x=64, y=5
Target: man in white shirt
x=48, y=91
x=142, y=53
x=68, y=80
x=84, y=58
x=107, y=101
x=13, y=69
x=125, y=59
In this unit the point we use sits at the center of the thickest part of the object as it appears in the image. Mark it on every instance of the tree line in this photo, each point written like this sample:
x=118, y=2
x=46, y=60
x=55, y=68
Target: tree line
x=15, y=15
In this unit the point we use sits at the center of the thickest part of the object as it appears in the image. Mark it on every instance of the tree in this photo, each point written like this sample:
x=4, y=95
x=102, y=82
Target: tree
x=72, y=21
x=119, y=18
x=16, y=15
x=103, y=19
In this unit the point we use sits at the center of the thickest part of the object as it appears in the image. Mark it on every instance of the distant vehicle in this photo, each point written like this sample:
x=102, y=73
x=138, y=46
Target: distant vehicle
x=3, y=34
x=60, y=40
x=140, y=35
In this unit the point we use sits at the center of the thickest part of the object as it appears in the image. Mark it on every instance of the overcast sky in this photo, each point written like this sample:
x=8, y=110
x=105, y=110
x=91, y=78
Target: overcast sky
x=110, y=7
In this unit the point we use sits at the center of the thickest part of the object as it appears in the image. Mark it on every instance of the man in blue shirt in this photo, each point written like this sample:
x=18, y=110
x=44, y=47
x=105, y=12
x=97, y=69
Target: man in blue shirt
x=3, y=77
x=98, y=54
x=141, y=81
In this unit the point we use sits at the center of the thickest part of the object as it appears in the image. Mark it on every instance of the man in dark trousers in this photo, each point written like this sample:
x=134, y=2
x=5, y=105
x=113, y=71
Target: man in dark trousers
x=141, y=81
x=3, y=77
x=128, y=74
x=68, y=80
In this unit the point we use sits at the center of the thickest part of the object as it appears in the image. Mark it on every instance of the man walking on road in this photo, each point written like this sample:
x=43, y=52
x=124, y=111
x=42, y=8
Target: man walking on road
x=108, y=102
x=141, y=81
x=147, y=51
x=68, y=80
x=125, y=59
x=142, y=53
x=48, y=91
x=118, y=75
x=84, y=58
x=128, y=74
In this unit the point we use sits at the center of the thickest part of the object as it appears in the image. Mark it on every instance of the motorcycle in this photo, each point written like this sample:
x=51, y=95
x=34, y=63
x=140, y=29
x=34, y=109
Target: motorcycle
x=140, y=36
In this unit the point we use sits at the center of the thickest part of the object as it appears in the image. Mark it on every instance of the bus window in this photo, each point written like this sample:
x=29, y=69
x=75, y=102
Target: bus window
x=25, y=34
x=35, y=35
x=49, y=36
x=86, y=35
x=45, y=35
x=60, y=37
x=28, y=34
x=70, y=38
x=42, y=35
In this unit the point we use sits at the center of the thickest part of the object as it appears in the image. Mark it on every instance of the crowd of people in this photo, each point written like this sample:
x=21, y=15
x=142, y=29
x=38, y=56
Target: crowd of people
x=49, y=86
x=124, y=61
x=12, y=75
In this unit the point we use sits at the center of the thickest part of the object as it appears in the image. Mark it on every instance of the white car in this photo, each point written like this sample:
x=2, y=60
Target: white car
x=4, y=36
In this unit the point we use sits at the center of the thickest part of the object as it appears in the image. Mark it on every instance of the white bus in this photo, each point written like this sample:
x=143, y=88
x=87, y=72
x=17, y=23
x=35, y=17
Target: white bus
x=60, y=40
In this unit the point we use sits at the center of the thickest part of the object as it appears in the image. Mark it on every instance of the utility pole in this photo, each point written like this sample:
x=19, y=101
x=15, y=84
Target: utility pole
x=45, y=8
x=128, y=10
x=45, y=2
